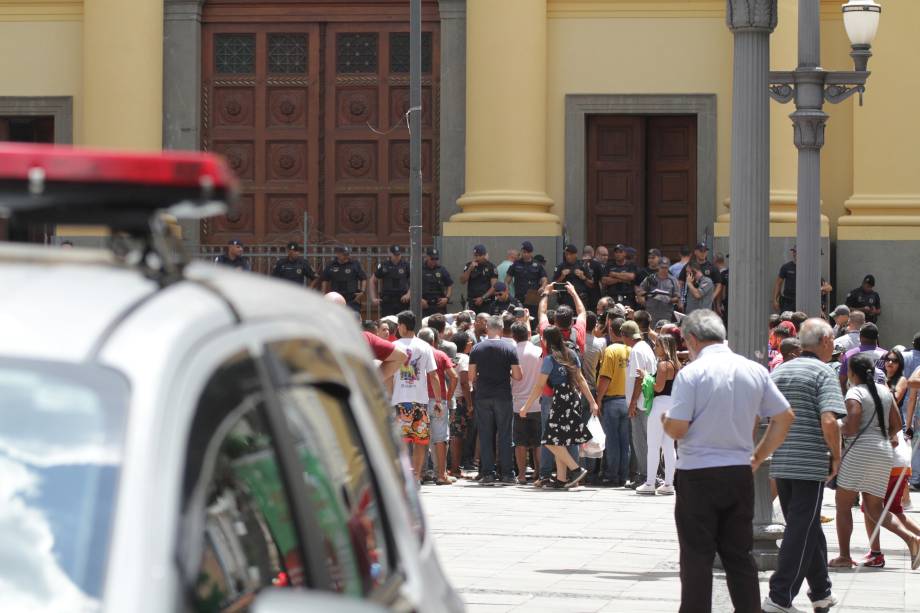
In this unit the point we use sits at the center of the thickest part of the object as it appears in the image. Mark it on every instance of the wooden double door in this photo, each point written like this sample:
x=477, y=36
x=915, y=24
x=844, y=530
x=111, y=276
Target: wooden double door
x=307, y=101
x=642, y=182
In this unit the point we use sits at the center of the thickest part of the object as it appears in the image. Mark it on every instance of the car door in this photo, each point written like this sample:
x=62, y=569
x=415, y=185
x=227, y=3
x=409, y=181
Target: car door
x=315, y=397
x=241, y=531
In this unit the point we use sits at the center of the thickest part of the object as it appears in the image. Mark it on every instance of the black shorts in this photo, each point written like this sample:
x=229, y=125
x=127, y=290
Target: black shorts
x=527, y=431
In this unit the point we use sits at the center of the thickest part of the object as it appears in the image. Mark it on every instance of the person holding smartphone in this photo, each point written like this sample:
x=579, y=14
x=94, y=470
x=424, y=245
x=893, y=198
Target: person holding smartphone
x=502, y=300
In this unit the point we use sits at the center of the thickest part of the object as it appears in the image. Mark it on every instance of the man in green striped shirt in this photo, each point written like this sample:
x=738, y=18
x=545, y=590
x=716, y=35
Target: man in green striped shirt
x=808, y=457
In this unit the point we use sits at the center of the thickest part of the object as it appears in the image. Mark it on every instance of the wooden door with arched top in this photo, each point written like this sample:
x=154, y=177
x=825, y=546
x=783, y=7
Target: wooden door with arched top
x=307, y=100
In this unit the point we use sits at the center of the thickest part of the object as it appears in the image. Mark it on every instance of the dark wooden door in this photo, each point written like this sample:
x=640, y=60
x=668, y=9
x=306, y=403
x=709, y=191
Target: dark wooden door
x=616, y=180
x=671, y=204
x=260, y=102
x=641, y=184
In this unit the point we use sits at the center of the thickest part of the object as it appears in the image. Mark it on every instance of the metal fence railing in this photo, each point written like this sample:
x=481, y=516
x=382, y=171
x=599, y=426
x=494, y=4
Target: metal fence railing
x=262, y=259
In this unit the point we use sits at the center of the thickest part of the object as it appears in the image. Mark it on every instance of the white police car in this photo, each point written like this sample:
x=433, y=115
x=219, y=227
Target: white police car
x=186, y=438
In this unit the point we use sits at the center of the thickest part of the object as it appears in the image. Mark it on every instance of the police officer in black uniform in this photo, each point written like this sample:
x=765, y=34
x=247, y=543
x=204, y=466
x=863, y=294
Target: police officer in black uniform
x=866, y=299
x=575, y=271
x=392, y=283
x=345, y=276
x=294, y=267
x=503, y=301
x=621, y=278
x=436, y=284
x=527, y=277
x=480, y=275
x=234, y=256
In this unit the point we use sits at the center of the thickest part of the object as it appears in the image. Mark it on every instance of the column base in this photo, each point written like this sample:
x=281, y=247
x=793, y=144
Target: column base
x=893, y=217
x=505, y=206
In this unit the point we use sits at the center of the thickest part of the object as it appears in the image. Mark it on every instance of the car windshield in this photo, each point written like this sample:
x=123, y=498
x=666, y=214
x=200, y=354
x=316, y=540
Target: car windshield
x=61, y=439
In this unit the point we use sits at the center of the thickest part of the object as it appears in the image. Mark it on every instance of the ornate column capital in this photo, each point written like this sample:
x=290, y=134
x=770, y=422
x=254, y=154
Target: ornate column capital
x=808, y=128
x=751, y=15
x=182, y=10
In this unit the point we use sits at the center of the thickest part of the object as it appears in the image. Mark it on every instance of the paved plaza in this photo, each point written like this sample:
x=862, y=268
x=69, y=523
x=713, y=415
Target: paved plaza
x=520, y=549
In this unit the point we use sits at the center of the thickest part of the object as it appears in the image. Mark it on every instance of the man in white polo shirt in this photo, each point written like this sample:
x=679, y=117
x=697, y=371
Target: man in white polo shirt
x=719, y=399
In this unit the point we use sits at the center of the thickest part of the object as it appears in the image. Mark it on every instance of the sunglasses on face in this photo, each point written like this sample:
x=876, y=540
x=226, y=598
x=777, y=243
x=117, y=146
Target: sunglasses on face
x=890, y=360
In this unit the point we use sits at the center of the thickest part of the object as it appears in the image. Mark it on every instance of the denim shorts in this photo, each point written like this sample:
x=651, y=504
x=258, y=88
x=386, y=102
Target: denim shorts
x=440, y=421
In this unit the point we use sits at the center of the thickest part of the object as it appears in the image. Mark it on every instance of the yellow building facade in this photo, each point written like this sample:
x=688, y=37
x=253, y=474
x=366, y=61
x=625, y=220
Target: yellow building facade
x=537, y=75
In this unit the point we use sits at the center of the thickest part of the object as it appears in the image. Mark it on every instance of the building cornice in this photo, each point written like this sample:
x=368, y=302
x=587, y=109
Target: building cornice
x=41, y=10
x=664, y=9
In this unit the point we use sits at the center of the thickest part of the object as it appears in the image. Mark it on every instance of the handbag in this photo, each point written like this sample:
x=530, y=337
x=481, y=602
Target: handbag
x=832, y=484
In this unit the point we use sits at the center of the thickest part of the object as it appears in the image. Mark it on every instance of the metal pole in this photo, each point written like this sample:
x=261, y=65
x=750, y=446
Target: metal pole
x=415, y=156
x=808, y=122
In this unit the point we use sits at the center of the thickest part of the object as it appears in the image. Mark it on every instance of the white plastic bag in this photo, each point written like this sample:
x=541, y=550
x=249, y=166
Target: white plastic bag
x=595, y=447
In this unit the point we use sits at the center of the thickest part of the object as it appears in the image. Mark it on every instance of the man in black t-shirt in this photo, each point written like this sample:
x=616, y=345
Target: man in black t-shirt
x=784, y=287
x=574, y=271
x=866, y=299
x=654, y=256
x=620, y=278
x=708, y=269
x=480, y=275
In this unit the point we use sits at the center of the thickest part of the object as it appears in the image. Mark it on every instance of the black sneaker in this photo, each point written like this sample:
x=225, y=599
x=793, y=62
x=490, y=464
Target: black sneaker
x=487, y=480
x=508, y=480
x=631, y=485
x=575, y=477
x=556, y=484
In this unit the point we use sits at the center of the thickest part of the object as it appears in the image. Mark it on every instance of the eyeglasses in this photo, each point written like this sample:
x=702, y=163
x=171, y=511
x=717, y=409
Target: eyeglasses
x=891, y=360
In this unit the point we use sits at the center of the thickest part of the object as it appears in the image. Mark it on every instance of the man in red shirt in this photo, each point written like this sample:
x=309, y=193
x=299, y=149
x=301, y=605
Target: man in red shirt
x=440, y=412
x=389, y=355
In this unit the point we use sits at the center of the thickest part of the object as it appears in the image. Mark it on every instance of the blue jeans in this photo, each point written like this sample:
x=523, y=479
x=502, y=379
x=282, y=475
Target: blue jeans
x=547, y=459
x=494, y=417
x=615, y=421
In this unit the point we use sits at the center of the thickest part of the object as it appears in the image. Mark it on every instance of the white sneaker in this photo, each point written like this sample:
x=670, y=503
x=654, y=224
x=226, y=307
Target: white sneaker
x=769, y=606
x=665, y=490
x=824, y=604
x=646, y=489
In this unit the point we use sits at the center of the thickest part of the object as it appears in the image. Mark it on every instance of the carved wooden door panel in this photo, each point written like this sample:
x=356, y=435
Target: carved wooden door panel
x=672, y=181
x=260, y=103
x=366, y=133
x=616, y=180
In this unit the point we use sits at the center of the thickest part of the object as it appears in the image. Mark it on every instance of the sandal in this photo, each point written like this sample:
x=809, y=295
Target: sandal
x=915, y=555
x=841, y=563
x=443, y=482
x=522, y=480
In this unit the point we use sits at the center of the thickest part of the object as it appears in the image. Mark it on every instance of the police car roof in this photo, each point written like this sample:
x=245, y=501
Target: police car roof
x=60, y=304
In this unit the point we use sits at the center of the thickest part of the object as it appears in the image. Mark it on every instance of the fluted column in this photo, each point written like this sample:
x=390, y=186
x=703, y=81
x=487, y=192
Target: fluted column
x=123, y=73
x=751, y=22
x=505, y=116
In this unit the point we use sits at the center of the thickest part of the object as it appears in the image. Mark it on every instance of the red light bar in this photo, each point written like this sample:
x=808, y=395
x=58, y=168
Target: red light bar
x=19, y=162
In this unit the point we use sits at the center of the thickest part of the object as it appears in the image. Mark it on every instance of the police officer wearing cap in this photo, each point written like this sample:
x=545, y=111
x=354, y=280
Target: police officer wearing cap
x=503, y=301
x=392, y=283
x=294, y=267
x=866, y=299
x=234, y=256
x=576, y=271
x=436, y=284
x=620, y=278
x=345, y=276
x=527, y=277
x=480, y=275
x=709, y=270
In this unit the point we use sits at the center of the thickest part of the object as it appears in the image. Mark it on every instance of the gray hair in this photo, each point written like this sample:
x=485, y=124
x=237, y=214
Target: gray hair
x=428, y=335
x=495, y=323
x=813, y=331
x=857, y=319
x=703, y=325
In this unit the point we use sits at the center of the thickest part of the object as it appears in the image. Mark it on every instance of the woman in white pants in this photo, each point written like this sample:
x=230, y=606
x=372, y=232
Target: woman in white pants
x=658, y=441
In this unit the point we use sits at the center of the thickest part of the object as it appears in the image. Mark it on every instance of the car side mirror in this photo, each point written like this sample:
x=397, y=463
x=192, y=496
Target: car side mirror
x=286, y=600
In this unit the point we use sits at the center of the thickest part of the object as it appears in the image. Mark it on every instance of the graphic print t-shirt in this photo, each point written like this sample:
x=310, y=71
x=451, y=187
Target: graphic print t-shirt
x=410, y=384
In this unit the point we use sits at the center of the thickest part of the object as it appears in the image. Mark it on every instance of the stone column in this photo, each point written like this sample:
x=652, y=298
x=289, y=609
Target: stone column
x=453, y=105
x=123, y=73
x=808, y=122
x=751, y=22
x=505, y=121
x=182, y=87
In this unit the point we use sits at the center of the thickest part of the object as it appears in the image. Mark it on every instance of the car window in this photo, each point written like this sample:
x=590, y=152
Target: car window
x=249, y=539
x=385, y=424
x=336, y=467
x=62, y=429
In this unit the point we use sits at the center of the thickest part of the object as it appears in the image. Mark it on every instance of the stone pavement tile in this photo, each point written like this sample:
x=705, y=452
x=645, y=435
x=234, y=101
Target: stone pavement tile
x=562, y=604
x=645, y=606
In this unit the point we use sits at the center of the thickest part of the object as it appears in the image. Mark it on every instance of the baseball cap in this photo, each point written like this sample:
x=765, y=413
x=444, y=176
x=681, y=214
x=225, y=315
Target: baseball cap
x=656, y=252
x=619, y=310
x=292, y=246
x=235, y=241
x=433, y=253
x=570, y=248
x=340, y=249
x=841, y=309
x=630, y=329
x=479, y=250
x=870, y=279
x=500, y=287
x=701, y=246
x=869, y=331
x=619, y=247
x=395, y=249
x=630, y=250
x=664, y=263
x=527, y=246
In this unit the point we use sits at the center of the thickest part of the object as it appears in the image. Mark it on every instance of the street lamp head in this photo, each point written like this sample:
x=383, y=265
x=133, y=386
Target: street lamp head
x=860, y=18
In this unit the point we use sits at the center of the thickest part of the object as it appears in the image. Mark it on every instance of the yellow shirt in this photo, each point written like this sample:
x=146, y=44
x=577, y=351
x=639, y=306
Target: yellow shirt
x=613, y=366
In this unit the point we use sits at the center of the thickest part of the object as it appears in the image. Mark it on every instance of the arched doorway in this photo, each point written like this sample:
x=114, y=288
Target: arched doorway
x=306, y=99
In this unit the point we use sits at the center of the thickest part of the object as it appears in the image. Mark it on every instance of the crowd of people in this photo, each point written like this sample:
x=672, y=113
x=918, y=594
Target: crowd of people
x=514, y=390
